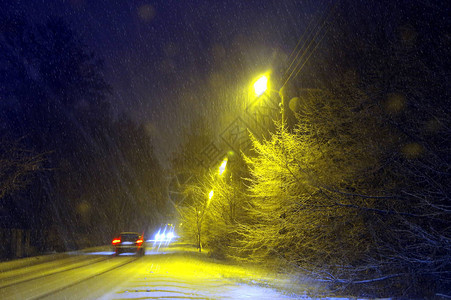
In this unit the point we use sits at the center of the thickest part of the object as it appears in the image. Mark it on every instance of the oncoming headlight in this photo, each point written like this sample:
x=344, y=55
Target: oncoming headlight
x=164, y=235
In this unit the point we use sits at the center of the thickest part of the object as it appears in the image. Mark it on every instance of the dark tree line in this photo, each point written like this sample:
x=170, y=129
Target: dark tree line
x=93, y=175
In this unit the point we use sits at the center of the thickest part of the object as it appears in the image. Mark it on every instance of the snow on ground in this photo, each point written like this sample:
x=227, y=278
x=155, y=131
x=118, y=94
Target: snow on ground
x=181, y=272
x=175, y=272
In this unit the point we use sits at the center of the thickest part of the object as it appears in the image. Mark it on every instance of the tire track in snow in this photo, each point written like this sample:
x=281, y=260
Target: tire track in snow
x=38, y=271
x=166, y=287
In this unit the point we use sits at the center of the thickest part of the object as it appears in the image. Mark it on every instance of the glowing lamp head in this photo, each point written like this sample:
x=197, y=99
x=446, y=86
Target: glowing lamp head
x=210, y=195
x=222, y=167
x=261, y=85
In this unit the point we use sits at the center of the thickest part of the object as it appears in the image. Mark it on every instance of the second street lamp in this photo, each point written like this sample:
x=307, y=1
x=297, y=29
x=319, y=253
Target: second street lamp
x=222, y=167
x=210, y=195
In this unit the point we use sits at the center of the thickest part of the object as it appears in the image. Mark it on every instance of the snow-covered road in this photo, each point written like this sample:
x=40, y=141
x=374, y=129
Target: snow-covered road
x=174, y=273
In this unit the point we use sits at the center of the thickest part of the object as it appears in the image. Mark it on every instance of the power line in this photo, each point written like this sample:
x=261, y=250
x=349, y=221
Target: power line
x=307, y=30
x=317, y=32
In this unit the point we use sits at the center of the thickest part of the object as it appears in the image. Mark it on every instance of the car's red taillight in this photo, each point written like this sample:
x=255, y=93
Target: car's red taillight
x=116, y=241
x=139, y=242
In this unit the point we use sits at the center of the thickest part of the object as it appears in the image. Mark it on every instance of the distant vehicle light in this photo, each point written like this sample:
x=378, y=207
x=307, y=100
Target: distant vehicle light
x=116, y=241
x=139, y=242
x=164, y=236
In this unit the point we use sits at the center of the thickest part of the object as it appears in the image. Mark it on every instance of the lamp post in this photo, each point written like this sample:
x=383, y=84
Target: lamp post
x=261, y=86
x=200, y=214
x=200, y=218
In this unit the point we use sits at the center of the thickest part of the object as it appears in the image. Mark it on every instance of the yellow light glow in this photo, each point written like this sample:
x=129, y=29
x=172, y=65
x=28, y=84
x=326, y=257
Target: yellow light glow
x=210, y=195
x=261, y=85
x=222, y=167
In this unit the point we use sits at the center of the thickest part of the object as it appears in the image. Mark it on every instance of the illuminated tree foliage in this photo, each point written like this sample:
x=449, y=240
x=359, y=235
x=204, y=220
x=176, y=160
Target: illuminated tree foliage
x=357, y=193
x=306, y=187
x=336, y=197
x=192, y=212
x=188, y=189
x=213, y=223
x=227, y=208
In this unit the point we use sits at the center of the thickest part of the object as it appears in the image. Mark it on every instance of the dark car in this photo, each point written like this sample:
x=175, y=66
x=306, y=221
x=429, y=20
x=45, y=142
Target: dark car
x=129, y=242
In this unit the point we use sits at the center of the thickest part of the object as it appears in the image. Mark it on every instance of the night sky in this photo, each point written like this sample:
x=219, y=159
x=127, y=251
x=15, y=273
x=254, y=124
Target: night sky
x=166, y=60
x=356, y=175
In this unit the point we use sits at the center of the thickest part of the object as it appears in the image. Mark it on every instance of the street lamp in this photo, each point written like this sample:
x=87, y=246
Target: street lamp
x=261, y=86
x=210, y=195
x=222, y=167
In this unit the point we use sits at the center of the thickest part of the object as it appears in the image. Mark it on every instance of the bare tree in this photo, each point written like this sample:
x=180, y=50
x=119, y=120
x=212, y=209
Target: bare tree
x=17, y=166
x=192, y=212
x=213, y=210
